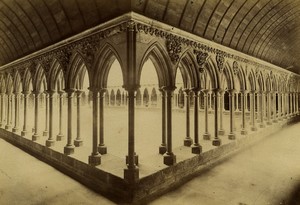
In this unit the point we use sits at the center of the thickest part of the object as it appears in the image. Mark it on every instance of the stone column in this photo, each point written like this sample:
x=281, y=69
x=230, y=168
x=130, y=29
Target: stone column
x=297, y=102
x=169, y=156
x=17, y=110
x=243, y=97
x=269, y=93
x=196, y=147
x=131, y=173
x=188, y=140
x=246, y=102
x=252, y=110
x=163, y=146
x=206, y=135
x=69, y=148
x=24, y=131
x=221, y=103
x=279, y=106
x=283, y=98
x=102, y=149
x=237, y=101
x=78, y=141
x=36, y=136
x=210, y=99
x=231, y=93
x=294, y=96
x=261, y=96
x=50, y=141
x=95, y=157
x=274, y=108
x=45, y=133
x=291, y=106
x=2, y=110
x=216, y=141
x=60, y=135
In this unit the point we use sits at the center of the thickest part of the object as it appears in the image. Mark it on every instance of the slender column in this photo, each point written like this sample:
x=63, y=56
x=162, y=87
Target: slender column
x=265, y=99
x=45, y=133
x=279, y=106
x=269, y=122
x=163, y=146
x=188, y=140
x=196, y=147
x=78, y=141
x=274, y=108
x=69, y=148
x=17, y=110
x=261, y=111
x=206, y=135
x=294, y=97
x=210, y=98
x=131, y=173
x=283, y=99
x=169, y=157
x=60, y=135
x=221, y=102
x=216, y=141
x=237, y=101
x=246, y=102
x=252, y=110
x=291, y=106
x=95, y=157
x=2, y=110
x=8, y=126
x=231, y=93
x=36, y=136
x=102, y=149
x=11, y=110
x=243, y=97
x=297, y=103
x=50, y=141
x=24, y=131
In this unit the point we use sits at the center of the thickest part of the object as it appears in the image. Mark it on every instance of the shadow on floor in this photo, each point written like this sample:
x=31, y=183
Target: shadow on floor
x=294, y=198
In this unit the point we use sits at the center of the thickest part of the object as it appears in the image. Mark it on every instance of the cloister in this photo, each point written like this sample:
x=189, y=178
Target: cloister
x=54, y=101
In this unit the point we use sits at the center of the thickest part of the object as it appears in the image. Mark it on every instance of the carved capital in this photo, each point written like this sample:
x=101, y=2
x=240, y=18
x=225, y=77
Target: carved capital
x=220, y=61
x=235, y=66
x=201, y=59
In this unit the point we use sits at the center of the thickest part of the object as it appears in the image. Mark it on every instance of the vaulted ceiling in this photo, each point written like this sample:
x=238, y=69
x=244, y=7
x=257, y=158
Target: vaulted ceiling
x=267, y=29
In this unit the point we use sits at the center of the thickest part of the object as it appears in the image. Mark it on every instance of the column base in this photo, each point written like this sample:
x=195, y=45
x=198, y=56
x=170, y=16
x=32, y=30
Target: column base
x=69, y=149
x=196, y=149
x=102, y=149
x=15, y=129
x=244, y=132
x=275, y=121
x=35, y=137
x=216, y=142
x=206, y=136
x=78, y=143
x=1, y=125
x=262, y=125
x=23, y=133
x=59, y=137
x=50, y=143
x=221, y=132
x=7, y=127
x=187, y=142
x=131, y=175
x=162, y=149
x=231, y=136
x=269, y=123
x=45, y=133
x=136, y=159
x=253, y=128
x=169, y=159
x=95, y=160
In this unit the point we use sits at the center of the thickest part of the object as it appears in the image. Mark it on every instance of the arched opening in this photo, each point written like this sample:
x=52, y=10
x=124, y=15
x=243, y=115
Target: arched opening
x=153, y=97
x=146, y=98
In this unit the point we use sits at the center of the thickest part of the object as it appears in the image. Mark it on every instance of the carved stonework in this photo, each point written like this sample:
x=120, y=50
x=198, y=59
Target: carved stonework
x=64, y=56
x=201, y=59
x=46, y=63
x=174, y=49
x=220, y=61
x=235, y=66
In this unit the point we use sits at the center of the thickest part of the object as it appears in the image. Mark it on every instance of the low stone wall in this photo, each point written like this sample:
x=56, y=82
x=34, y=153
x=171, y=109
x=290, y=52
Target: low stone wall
x=148, y=187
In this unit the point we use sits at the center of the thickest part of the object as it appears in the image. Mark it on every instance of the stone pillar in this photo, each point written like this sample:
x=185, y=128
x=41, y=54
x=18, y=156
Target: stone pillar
x=291, y=105
x=210, y=99
x=45, y=133
x=221, y=103
x=17, y=110
x=246, y=102
x=36, y=136
x=297, y=102
x=252, y=110
x=2, y=110
x=131, y=173
x=279, y=106
x=102, y=149
x=169, y=156
x=206, y=135
x=188, y=140
x=163, y=146
x=231, y=93
x=24, y=131
x=283, y=98
x=69, y=148
x=95, y=157
x=216, y=141
x=261, y=96
x=237, y=101
x=243, y=103
x=294, y=97
x=196, y=147
x=50, y=141
x=274, y=108
x=60, y=135
x=78, y=141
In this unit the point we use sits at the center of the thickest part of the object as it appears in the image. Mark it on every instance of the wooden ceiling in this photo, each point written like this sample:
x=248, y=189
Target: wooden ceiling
x=267, y=29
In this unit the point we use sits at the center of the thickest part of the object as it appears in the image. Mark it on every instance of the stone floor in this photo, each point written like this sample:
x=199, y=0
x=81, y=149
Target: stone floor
x=266, y=173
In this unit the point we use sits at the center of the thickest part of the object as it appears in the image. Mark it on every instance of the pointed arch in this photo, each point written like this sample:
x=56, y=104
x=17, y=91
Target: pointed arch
x=27, y=80
x=17, y=82
x=189, y=68
x=211, y=68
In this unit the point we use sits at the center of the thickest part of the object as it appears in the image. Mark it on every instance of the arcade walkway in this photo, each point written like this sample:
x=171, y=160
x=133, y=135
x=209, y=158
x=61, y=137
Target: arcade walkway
x=264, y=174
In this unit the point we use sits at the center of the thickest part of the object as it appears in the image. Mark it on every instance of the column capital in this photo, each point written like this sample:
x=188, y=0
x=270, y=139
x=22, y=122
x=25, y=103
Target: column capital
x=36, y=92
x=78, y=92
x=50, y=92
x=70, y=90
x=205, y=91
x=25, y=92
x=195, y=89
x=131, y=88
x=217, y=90
x=169, y=88
x=61, y=92
x=186, y=90
x=231, y=91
